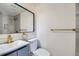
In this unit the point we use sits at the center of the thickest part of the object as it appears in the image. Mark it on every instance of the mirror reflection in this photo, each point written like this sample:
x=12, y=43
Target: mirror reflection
x=14, y=19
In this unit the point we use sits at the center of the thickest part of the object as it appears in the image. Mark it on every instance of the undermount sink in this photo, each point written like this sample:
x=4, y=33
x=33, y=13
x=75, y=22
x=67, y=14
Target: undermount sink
x=5, y=48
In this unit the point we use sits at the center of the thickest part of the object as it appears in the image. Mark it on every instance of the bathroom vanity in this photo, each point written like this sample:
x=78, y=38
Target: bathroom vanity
x=17, y=48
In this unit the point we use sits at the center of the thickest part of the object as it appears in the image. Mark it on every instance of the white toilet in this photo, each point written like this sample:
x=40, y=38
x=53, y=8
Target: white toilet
x=39, y=51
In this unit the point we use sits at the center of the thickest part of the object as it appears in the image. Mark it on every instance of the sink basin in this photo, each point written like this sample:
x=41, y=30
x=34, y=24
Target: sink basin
x=5, y=48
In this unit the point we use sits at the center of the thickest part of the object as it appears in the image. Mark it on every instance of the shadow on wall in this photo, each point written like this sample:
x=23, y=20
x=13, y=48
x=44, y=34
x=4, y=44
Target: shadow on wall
x=39, y=44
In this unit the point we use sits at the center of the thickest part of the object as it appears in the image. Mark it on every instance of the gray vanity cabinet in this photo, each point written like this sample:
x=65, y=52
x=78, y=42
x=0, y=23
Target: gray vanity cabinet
x=23, y=51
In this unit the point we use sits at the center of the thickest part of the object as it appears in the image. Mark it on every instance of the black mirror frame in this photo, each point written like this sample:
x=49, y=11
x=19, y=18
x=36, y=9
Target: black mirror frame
x=30, y=12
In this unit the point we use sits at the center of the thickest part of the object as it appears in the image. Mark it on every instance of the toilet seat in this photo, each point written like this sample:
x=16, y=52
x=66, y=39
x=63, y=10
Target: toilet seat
x=41, y=52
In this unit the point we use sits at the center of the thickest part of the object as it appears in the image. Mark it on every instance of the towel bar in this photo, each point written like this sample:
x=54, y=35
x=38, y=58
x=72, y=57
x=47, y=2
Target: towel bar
x=63, y=29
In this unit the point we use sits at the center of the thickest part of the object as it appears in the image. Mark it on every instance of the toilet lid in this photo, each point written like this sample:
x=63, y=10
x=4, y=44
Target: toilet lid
x=41, y=52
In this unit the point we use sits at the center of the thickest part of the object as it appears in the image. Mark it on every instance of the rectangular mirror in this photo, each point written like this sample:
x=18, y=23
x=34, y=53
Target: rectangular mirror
x=14, y=18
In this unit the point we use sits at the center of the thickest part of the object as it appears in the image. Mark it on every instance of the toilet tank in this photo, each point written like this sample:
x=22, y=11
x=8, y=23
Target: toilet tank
x=33, y=44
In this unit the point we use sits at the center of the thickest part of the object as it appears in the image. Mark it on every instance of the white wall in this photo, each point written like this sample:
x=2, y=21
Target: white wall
x=53, y=16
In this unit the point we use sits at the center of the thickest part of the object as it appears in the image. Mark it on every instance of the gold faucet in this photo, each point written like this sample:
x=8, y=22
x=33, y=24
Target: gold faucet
x=9, y=39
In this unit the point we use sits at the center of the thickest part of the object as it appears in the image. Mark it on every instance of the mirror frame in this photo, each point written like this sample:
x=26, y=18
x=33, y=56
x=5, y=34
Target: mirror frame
x=30, y=12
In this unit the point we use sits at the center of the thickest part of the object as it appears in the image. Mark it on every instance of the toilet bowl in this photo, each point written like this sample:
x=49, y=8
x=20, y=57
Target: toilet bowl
x=41, y=52
x=37, y=51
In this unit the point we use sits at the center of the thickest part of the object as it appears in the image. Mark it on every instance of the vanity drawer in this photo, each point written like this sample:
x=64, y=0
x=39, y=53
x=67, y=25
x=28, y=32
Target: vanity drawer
x=23, y=52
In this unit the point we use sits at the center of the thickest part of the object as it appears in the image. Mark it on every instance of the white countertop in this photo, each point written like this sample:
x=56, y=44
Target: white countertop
x=5, y=48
